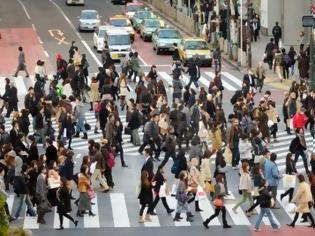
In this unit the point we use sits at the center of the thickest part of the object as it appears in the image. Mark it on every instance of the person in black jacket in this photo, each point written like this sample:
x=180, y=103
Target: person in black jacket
x=51, y=152
x=277, y=33
x=145, y=196
x=12, y=99
x=64, y=203
x=169, y=146
x=22, y=192
x=134, y=124
x=148, y=165
x=194, y=73
x=159, y=180
x=289, y=170
x=269, y=53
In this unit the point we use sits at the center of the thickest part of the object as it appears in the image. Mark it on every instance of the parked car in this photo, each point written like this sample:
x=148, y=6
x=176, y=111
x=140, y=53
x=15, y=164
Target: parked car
x=148, y=26
x=75, y=2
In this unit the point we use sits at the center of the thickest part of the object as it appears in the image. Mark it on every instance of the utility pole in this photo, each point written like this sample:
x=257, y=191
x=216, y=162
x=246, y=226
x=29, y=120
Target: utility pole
x=228, y=18
x=249, y=38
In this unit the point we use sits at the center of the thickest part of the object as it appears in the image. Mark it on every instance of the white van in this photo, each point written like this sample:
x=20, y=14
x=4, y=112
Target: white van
x=75, y=2
x=99, y=36
x=119, y=43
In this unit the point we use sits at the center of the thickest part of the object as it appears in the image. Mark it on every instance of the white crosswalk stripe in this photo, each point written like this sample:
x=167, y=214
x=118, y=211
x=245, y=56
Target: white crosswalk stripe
x=121, y=212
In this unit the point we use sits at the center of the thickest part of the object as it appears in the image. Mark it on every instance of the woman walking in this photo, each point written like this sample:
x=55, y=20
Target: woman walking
x=289, y=170
x=218, y=203
x=123, y=91
x=257, y=179
x=64, y=203
x=145, y=196
x=182, y=197
x=304, y=201
x=245, y=186
x=84, y=184
x=265, y=204
x=94, y=92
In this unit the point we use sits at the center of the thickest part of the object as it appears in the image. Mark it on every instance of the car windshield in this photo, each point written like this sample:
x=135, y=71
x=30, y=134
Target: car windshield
x=134, y=8
x=152, y=23
x=169, y=34
x=144, y=14
x=119, y=40
x=90, y=15
x=195, y=45
x=119, y=22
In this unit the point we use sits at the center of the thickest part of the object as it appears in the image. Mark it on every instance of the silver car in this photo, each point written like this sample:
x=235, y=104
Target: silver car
x=89, y=20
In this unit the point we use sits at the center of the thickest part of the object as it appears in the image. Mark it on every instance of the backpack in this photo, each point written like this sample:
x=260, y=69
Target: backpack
x=276, y=31
x=175, y=167
x=292, y=147
x=237, y=94
x=110, y=160
x=287, y=60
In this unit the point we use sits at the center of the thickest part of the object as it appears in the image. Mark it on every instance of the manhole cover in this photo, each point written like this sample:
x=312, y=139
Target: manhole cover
x=13, y=43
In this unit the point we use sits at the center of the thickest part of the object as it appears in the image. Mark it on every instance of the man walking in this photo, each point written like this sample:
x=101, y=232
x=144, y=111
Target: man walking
x=194, y=73
x=21, y=63
x=277, y=33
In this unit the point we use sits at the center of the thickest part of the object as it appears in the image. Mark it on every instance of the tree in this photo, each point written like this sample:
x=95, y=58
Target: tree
x=4, y=220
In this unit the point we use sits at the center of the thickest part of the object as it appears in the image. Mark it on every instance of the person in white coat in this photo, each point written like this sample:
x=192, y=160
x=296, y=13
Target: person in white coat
x=245, y=148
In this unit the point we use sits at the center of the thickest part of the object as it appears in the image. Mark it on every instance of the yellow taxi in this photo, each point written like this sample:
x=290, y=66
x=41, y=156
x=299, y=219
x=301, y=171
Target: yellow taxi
x=191, y=47
x=121, y=21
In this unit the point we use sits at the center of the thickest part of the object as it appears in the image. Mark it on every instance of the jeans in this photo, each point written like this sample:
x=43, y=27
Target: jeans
x=80, y=125
x=167, y=156
x=24, y=198
x=235, y=155
x=273, y=190
x=97, y=175
x=216, y=213
x=304, y=158
x=193, y=80
x=135, y=137
x=265, y=211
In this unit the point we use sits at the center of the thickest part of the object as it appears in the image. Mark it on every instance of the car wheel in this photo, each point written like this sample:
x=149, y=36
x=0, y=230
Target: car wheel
x=158, y=51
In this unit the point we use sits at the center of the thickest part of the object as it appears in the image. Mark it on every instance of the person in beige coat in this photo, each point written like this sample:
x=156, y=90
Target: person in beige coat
x=216, y=136
x=94, y=93
x=273, y=117
x=304, y=200
x=205, y=168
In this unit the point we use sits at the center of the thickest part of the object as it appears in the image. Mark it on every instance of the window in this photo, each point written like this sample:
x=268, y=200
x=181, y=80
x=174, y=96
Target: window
x=118, y=40
x=119, y=22
x=89, y=15
x=134, y=8
x=144, y=14
x=101, y=33
x=152, y=23
x=169, y=34
x=196, y=45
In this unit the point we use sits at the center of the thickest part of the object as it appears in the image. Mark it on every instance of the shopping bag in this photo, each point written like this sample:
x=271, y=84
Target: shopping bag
x=200, y=194
x=174, y=189
x=209, y=187
x=162, y=192
x=289, y=181
x=291, y=208
x=91, y=193
x=227, y=155
x=92, y=167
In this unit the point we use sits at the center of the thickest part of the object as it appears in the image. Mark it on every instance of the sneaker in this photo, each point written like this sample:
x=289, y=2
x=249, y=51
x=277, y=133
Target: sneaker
x=275, y=230
x=257, y=230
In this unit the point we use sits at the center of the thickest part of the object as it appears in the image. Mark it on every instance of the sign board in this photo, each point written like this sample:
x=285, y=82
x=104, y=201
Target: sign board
x=308, y=21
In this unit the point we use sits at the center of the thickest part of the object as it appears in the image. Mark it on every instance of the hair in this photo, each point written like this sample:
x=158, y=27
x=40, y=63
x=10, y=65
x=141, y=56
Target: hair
x=85, y=160
x=301, y=178
x=145, y=179
x=20, y=49
x=262, y=183
x=289, y=155
x=244, y=166
x=219, y=178
x=83, y=169
x=63, y=182
x=273, y=156
x=97, y=146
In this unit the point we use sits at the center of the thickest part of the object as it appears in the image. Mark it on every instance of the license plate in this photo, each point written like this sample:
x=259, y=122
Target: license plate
x=115, y=56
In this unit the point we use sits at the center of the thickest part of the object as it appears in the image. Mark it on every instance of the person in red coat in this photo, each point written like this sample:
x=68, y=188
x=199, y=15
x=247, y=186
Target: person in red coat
x=299, y=119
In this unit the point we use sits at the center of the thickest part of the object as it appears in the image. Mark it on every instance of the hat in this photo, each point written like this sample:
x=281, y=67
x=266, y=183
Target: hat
x=11, y=154
x=59, y=56
x=104, y=141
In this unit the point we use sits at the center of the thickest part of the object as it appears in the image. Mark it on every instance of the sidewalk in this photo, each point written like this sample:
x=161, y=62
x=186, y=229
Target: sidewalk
x=258, y=49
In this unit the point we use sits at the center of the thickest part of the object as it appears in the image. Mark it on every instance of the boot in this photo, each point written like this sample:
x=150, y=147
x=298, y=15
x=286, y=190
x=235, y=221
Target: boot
x=85, y=136
x=226, y=225
x=141, y=220
x=95, y=131
x=197, y=209
x=40, y=219
x=189, y=217
x=91, y=103
x=147, y=218
x=177, y=217
x=77, y=135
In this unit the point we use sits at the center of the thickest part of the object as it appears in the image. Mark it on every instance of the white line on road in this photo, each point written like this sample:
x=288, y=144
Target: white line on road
x=33, y=26
x=46, y=53
x=26, y=12
x=76, y=32
x=39, y=40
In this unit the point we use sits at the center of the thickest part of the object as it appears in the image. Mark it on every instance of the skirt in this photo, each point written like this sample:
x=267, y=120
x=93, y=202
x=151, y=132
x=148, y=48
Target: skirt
x=84, y=202
x=52, y=196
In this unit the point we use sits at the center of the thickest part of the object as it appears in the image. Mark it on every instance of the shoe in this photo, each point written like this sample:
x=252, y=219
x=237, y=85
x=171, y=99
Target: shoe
x=79, y=214
x=248, y=213
x=91, y=213
x=226, y=226
x=198, y=210
x=177, y=217
x=41, y=221
x=27, y=76
x=124, y=165
x=96, y=132
x=312, y=226
x=141, y=220
x=106, y=190
x=254, y=212
x=169, y=211
x=92, y=203
x=152, y=213
x=234, y=210
x=205, y=225
x=85, y=136
x=291, y=225
x=281, y=196
x=70, y=148
x=76, y=202
x=29, y=213
x=257, y=230
x=275, y=230
x=76, y=223
x=60, y=228
x=147, y=218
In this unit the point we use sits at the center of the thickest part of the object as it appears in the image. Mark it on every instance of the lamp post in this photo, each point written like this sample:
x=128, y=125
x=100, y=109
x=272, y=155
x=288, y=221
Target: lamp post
x=248, y=31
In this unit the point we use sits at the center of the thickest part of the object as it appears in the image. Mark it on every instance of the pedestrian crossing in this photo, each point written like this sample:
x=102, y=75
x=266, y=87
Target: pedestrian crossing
x=121, y=213
x=229, y=81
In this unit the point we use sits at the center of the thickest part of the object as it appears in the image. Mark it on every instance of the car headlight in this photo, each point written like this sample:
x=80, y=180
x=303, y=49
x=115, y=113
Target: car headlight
x=146, y=31
x=207, y=56
x=189, y=55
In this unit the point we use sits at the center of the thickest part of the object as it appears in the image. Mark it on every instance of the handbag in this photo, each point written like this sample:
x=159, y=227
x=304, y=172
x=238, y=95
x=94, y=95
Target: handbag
x=91, y=193
x=289, y=181
x=163, y=191
x=87, y=126
x=201, y=195
x=127, y=130
x=53, y=182
x=218, y=202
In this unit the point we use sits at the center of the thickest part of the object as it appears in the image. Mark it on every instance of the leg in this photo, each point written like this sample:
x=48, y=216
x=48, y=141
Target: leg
x=61, y=220
x=271, y=219
x=21, y=199
x=166, y=205
x=259, y=218
x=242, y=200
x=216, y=213
x=153, y=205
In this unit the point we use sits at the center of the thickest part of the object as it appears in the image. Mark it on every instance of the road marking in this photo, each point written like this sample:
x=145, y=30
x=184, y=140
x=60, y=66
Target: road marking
x=46, y=53
x=76, y=32
x=33, y=26
x=166, y=77
x=119, y=209
x=10, y=201
x=39, y=40
x=2, y=85
x=19, y=82
x=30, y=222
x=92, y=221
x=154, y=219
x=232, y=78
x=25, y=10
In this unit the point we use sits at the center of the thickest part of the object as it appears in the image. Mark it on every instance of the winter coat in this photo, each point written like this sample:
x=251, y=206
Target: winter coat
x=245, y=148
x=205, y=171
x=302, y=198
x=146, y=195
x=216, y=138
x=299, y=120
x=271, y=173
x=94, y=92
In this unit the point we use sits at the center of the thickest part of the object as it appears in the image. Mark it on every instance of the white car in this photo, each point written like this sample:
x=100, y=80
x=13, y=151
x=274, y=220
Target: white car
x=89, y=20
x=75, y=2
x=99, y=36
x=122, y=22
x=119, y=43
